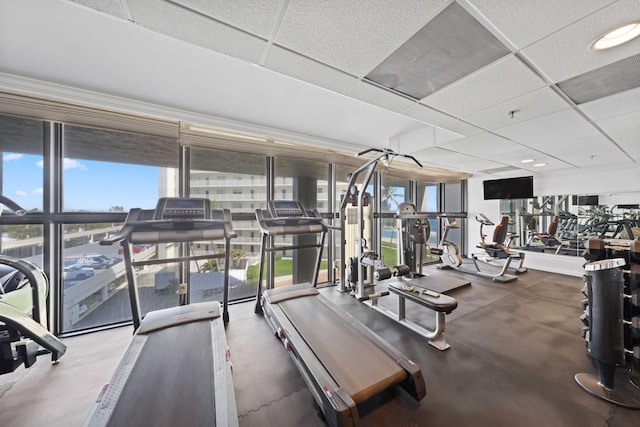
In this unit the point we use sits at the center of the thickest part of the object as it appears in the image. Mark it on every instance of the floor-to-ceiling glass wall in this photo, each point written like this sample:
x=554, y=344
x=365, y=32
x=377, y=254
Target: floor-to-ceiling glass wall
x=394, y=191
x=306, y=181
x=108, y=172
x=234, y=181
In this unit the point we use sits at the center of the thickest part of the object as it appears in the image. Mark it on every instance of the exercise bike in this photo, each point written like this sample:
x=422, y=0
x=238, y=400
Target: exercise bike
x=450, y=256
x=497, y=251
x=24, y=334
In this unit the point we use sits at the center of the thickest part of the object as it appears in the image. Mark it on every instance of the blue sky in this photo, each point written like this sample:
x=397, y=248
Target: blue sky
x=88, y=185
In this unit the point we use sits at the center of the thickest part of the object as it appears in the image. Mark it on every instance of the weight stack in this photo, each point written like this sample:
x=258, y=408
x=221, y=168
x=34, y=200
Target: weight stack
x=605, y=281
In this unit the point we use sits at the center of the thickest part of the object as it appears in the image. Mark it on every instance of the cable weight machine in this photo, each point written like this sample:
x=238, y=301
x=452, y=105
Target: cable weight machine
x=365, y=266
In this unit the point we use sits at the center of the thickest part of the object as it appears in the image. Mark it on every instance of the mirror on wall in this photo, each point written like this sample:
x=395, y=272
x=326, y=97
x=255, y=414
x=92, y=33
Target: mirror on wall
x=562, y=224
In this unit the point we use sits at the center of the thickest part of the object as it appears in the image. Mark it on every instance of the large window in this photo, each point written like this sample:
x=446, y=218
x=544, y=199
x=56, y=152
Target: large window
x=106, y=171
x=393, y=192
x=306, y=181
x=234, y=181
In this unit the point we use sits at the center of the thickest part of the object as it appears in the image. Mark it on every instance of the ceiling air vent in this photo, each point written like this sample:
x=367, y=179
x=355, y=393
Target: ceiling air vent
x=608, y=80
x=450, y=46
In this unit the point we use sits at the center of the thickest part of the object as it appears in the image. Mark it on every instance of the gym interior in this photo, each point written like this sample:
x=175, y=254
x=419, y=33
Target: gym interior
x=319, y=213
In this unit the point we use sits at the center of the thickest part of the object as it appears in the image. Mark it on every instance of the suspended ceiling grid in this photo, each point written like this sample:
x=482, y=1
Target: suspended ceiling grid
x=344, y=49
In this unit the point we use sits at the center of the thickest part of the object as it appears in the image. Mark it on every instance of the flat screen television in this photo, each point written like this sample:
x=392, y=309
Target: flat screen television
x=509, y=188
x=585, y=200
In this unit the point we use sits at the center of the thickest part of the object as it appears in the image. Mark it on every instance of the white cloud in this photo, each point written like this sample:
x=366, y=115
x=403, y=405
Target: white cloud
x=73, y=164
x=21, y=193
x=11, y=156
x=68, y=164
x=38, y=191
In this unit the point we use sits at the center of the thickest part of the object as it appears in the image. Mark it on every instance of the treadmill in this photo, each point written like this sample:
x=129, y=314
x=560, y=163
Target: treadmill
x=343, y=362
x=176, y=370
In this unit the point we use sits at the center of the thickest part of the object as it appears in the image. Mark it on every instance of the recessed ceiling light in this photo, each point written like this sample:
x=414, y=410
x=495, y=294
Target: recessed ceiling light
x=527, y=160
x=617, y=36
x=537, y=165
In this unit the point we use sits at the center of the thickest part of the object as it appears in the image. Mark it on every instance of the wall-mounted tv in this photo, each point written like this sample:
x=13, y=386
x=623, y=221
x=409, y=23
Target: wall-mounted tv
x=509, y=188
x=585, y=200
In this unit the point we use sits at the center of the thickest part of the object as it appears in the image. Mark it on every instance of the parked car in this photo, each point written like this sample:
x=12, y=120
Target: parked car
x=136, y=249
x=77, y=272
x=97, y=261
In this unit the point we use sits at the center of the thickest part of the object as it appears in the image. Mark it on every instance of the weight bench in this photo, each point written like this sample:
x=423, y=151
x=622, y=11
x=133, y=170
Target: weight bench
x=440, y=303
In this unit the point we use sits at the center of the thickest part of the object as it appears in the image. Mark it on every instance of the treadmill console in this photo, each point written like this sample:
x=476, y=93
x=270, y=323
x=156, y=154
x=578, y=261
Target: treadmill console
x=287, y=209
x=182, y=208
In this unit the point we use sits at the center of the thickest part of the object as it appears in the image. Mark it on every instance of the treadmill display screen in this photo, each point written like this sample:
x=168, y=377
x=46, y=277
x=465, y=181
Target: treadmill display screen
x=183, y=208
x=286, y=208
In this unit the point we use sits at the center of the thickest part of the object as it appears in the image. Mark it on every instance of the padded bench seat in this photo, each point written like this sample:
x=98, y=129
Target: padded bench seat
x=425, y=297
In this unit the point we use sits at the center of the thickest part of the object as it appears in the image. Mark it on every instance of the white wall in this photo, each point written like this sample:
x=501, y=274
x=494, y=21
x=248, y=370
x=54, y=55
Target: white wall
x=621, y=186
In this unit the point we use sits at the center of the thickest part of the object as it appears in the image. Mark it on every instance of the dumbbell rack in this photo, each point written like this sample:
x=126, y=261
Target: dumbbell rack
x=611, y=320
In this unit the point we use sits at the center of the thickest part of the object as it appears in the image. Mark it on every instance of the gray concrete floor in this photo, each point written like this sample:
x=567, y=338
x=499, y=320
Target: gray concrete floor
x=514, y=351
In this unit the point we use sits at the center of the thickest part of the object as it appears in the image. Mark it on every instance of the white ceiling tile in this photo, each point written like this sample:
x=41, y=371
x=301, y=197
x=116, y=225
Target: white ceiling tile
x=628, y=139
x=536, y=128
x=162, y=17
x=503, y=80
x=604, y=160
x=354, y=36
x=426, y=114
x=536, y=141
x=588, y=146
x=483, y=145
x=463, y=128
x=305, y=69
x=515, y=157
x=377, y=96
x=620, y=103
x=255, y=16
x=623, y=121
x=566, y=53
x=112, y=7
x=527, y=21
x=533, y=104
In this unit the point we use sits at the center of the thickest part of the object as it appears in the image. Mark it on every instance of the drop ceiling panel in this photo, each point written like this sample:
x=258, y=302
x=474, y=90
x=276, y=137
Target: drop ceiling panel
x=623, y=121
x=527, y=21
x=534, y=128
x=354, y=36
x=463, y=128
x=483, y=145
x=503, y=80
x=515, y=157
x=566, y=53
x=526, y=107
x=427, y=115
x=111, y=7
x=537, y=141
x=255, y=16
x=617, y=77
x=185, y=25
x=629, y=140
x=569, y=149
x=620, y=103
x=305, y=69
x=378, y=96
x=439, y=54
x=551, y=164
x=603, y=161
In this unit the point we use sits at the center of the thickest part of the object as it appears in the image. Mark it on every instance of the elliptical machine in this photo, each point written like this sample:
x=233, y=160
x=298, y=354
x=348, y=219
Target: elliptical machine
x=450, y=257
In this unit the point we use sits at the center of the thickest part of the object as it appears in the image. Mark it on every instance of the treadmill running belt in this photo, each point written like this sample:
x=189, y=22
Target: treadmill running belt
x=170, y=385
x=360, y=367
